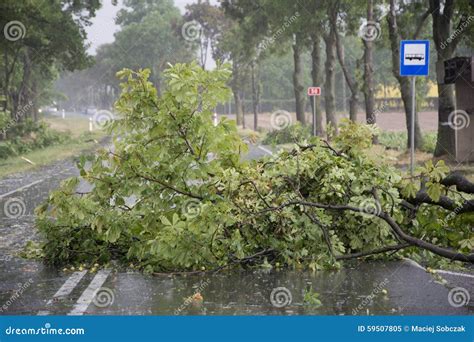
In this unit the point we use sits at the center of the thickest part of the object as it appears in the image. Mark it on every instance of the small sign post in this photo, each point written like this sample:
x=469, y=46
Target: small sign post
x=313, y=92
x=414, y=61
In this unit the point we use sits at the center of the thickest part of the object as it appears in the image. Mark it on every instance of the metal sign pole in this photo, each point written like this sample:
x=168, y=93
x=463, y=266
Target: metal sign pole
x=313, y=92
x=412, y=128
x=414, y=61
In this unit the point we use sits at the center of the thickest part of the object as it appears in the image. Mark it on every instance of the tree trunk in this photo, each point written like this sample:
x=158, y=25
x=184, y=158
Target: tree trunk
x=24, y=93
x=404, y=82
x=343, y=93
x=6, y=81
x=369, y=86
x=235, y=86
x=243, y=109
x=33, y=102
x=238, y=106
x=255, y=96
x=300, y=95
x=445, y=47
x=317, y=79
x=445, y=143
x=351, y=81
x=329, y=97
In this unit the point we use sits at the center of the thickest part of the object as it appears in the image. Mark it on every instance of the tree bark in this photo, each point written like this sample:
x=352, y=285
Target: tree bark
x=369, y=86
x=235, y=86
x=353, y=85
x=404, y=82
x=329, y=97
x=445, y=144
x=24, y=93
x=300, y=95
x=255, y=95
x=317, y=79
x=243, y=109
x=33, y=102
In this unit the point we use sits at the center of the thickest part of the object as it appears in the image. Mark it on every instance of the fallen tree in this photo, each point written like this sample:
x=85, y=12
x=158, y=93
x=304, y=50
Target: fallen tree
x=174, y=194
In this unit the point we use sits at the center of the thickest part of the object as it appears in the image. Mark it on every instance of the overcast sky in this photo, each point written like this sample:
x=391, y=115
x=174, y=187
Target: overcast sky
x=103, y=27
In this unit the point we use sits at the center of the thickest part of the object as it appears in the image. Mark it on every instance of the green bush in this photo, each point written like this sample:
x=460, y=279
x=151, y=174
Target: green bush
x=6, y=150
x=398, y=141
x=28, y=136
x=295, y=133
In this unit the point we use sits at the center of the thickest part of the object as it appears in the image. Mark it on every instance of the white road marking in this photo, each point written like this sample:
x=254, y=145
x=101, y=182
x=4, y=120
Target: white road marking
x=21, y=188
x=65, y=290
x=458, y=274
x=264, y=149
x=414, y=264
x=455, y=273
x=88, y=295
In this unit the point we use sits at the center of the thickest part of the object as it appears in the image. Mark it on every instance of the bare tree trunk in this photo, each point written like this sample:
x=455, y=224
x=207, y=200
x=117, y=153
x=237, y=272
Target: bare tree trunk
x=300, y=95
x=255, y=95
x=317, y=79
x=404, y=82
x=24, y=91
x=235, y=86
x=352, y=83
x=446, y=141
x=6, y=80
x=369, y=86
x=203, y=47
x=329, y=97
x=33, y=101
x=445, y=47
x=243, y=109
x=344, y=93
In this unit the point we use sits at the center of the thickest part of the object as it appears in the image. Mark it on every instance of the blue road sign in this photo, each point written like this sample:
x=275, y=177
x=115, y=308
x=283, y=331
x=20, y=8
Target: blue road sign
x=414, y=57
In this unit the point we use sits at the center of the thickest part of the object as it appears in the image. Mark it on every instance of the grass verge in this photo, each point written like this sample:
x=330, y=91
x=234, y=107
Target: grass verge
x=48, y=155
x=76, y=127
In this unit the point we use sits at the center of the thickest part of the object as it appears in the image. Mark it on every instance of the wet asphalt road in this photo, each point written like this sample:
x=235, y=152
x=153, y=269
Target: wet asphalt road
x=27, y=287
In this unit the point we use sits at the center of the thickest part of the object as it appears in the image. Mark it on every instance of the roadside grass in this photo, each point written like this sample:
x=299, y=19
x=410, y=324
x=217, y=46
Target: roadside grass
x=81, y=140
x=74, y=125
x=398, y=141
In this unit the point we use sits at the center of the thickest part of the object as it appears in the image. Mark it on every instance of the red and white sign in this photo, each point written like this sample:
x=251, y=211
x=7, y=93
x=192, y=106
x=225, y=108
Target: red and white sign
x=314, y=91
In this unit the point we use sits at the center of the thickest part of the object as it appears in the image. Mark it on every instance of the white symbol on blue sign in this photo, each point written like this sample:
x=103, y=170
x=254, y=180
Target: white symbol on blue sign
x=414, y=57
